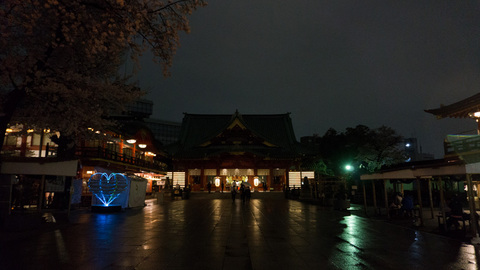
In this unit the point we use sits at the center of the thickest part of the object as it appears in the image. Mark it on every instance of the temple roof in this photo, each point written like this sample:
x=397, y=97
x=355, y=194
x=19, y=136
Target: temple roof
x=461, y=109
x=199, y=130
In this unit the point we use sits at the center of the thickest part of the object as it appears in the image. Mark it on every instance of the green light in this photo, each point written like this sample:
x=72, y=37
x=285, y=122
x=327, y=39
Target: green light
x=349, y=168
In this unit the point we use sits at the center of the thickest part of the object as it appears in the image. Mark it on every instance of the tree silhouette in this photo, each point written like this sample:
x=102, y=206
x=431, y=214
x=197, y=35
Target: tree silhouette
x=59, y=59
x=367, y=150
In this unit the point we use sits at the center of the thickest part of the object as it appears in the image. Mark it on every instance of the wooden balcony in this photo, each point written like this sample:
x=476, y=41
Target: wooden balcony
x=466, y=147
x=91, y=155
x=100, y=153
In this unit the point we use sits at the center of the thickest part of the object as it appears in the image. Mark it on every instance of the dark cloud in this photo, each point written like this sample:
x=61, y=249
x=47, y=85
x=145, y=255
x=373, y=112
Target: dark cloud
x=330, y=63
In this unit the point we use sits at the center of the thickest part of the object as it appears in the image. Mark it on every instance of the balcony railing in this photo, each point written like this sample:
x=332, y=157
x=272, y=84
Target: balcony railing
x=14, y=153
x=106, y=154
x=462, y=145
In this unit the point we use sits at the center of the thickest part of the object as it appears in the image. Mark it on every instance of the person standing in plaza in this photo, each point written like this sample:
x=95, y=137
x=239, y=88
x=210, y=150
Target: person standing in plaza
x=221, y=186
x=242, y=192
x=248, y=194
x=456, y=212
x=209, y=187
x=233, y=191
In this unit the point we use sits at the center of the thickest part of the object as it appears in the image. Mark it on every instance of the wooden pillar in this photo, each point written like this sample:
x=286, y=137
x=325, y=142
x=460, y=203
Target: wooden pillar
x=471, y=202
x=70, y=193
x=255, y=174
x=386, y=196
x=364, y=198
x=430, y=196
x=120, y=145
x=203, y=177
x=442, y=203
x=23, y=145
x=2, y=197
x=42, y=194
x=134, y=146
x=269, y=176
x=374, y=197
x=41, y=144
x=419, y=198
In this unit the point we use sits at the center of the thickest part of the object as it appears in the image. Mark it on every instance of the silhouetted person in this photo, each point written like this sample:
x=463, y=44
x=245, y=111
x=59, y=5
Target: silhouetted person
x=233, y=192
x=209, y=187
x=248, y=194
x=456, y=213
x=18, y=193
x=242, y=192
x=407, y=204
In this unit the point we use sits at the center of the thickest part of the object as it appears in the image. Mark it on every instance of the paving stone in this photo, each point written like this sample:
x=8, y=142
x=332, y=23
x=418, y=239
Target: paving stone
x=210, y=232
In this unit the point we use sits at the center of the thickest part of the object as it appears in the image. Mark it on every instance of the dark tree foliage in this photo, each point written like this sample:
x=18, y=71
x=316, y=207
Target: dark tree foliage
x=366, y=150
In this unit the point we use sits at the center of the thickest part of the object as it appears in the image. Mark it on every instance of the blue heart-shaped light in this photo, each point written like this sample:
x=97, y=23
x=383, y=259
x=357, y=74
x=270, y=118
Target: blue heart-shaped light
x=107, y=187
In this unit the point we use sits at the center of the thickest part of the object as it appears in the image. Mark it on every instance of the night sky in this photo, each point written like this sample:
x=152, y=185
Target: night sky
x=331, y=64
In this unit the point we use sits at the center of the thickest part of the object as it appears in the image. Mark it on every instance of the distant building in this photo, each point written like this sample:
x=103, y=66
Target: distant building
x=310, y=140
x=414, y=152
x=140, y=109
x=166, y=132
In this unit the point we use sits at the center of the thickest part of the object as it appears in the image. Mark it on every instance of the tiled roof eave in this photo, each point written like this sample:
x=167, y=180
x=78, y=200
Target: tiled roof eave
x=216, y=152
x=460, y=109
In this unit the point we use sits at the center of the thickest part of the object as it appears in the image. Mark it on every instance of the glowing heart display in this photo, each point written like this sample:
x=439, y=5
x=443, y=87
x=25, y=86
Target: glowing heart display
x=107, y=187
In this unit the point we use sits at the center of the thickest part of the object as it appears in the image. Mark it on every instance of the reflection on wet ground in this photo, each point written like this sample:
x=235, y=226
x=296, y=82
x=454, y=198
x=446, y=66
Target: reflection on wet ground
x=210, y=232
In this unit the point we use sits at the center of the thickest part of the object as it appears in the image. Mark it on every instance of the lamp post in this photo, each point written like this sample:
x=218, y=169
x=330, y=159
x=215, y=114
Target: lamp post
x=341, y=201
x=348, y=170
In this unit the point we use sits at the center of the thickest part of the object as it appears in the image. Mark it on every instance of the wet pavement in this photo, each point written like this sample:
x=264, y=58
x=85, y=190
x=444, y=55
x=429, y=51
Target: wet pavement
x=209, y=231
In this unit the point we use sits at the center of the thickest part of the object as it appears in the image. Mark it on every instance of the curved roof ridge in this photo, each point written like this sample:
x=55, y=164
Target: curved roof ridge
x=276, y=129
x=459, y=109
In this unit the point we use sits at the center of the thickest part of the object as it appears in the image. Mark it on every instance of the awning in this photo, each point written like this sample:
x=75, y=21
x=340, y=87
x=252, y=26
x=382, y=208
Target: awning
x=60, y=168
x=426, y=170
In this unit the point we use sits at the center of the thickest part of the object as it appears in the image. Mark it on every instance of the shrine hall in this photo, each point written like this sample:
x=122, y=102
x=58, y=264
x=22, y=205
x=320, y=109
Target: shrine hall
x=256, y=150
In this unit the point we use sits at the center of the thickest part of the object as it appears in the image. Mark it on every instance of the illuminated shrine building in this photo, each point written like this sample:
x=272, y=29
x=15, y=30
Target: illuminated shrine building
x=258, y=149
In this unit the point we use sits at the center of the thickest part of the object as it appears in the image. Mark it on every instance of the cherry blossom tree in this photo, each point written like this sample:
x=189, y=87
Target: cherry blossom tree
x=59, y=59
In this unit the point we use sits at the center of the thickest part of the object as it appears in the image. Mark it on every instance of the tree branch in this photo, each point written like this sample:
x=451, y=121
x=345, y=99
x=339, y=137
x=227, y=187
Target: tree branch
x=168, y=5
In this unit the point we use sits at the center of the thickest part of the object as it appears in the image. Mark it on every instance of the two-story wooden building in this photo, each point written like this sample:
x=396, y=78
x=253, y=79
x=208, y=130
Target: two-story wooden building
x=34, y=176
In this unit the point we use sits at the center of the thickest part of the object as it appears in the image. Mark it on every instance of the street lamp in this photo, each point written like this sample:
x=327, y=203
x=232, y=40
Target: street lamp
x=349, y=167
